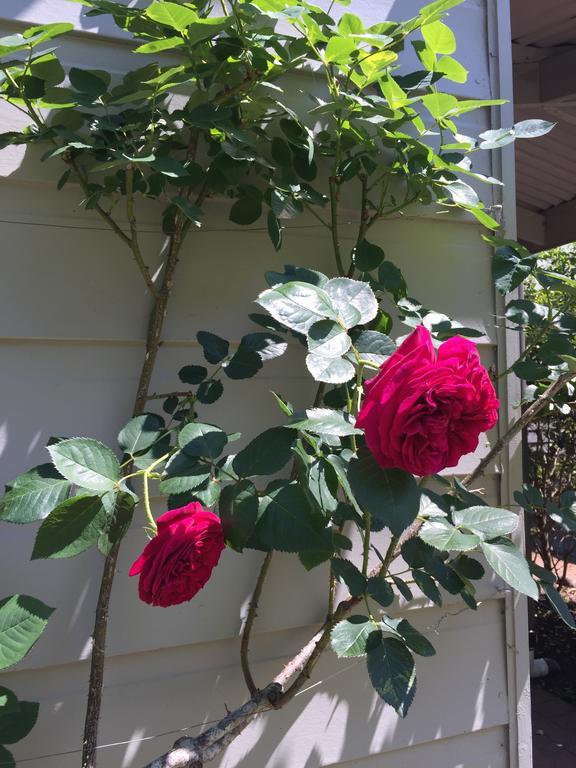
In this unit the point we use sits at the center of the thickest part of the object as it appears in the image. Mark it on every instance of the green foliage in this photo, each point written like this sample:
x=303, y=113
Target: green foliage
x=392, y=671
x=22, y=621
x=33, y=495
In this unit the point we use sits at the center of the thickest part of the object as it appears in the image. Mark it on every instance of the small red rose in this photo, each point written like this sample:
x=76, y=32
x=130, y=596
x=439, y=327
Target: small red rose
x=178, y=561
x=426, y=409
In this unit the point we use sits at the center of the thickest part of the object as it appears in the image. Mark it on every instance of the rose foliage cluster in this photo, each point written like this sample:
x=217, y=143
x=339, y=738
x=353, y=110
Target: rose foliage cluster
x=350, y=481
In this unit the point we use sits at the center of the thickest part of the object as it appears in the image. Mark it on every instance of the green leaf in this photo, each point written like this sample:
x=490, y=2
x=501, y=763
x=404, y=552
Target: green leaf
x=243, y=364
x=427, y=585
x=439, y=104
x=86, y=463
x=183, y=473
x=330, y=370
x=6, y=757
x=530, y=129
x=155, y=452
x=348, y=638
x=22, y=621
x=297, y=305
x=266, y=454
x=412, y=638
x=274, y=230
x=347, y=572
x=436, y=9
x=328, y=339
x=73, y=527
x=339, y=49
x=557, y=602
x=324, y=421
x=164, y=44
x=209, y=391
x=203, y=440
x=380, y=591
x=215, y=348
x=392, y=671
x=246, y=210
x=467, y=567
x=239, y=512
x=323, y=485
x=439, y=533
x=119, y=509
x=350, y=299
x=452, y=69
x=486, y=522
x=91, y=81
x=373, y=346
x=33, y=495
x=367, y=256
x=191, y=211
x=141, y=433
x=288, y=524
x=510, y=268
x=403, y=588
x=392, y=497
x=439, y=37
x=16, y=725
x=530, y=370
x=510, y=564
x=171, y=15
x=192, y=374
x=267, y=345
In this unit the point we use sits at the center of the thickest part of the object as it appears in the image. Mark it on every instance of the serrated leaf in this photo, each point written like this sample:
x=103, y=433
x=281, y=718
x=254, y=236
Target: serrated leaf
x=209, y=391
x=509, y=563
x=73, y=527
x=86, y=463
x=215, y=348
x=392, y=671
x=367, y=256
x=427, y=585
x=120, y=509
x=380, y=591
x=33, y=495
x=16, y=725
x=350, y=299
x=556, y=601
x=267, y=345
x=266, y=454
x=347, y=572
x=403, y=588
x=202, y=440
x=414, y=640
x=510, y=268
x=328, y=339
x=486, y=522
x=348, y=638
x=336, y=370
x=324, y=421
x=141, y=433
x=192, y=374
x=439, y=533
x=323, y=485
x=439, y=37
x=183, y=473
x=297, y=305
x=287, y=523
x=238, y=511
x=22, y=621
x=391, y=496
x=373, y=346
x=274, y=230
x=6, y=757
x=243, y=364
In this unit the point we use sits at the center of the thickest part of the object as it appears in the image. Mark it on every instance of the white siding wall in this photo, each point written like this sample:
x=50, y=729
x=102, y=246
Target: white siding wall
x=73, y=316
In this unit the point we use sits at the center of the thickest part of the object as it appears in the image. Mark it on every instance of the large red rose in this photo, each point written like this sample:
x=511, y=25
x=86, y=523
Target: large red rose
x=178, y=561
x=426, y=409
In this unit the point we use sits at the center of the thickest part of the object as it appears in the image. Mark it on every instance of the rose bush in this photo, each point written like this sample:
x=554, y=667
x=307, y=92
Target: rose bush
x=178, y=561
x=424, y=410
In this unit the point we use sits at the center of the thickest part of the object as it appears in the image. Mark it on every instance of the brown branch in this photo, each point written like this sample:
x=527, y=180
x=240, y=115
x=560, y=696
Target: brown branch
x=250, y=618
x=533, y=410
x=134, y=241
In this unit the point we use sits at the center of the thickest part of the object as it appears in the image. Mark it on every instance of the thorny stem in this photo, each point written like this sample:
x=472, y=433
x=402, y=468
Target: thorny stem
x=134, y=242
x=334, y=225
x=364, y=219
x=250, y=618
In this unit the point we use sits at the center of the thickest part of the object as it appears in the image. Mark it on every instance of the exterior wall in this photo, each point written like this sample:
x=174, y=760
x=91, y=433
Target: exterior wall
x=71, y=348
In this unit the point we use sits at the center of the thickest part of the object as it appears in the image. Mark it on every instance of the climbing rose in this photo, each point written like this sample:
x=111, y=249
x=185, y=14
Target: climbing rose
x=178, y=561
x=426, y=409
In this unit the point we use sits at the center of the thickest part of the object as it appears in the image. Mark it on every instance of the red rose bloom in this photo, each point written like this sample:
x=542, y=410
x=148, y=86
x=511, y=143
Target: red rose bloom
x=426, y=409
x=178, y=561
